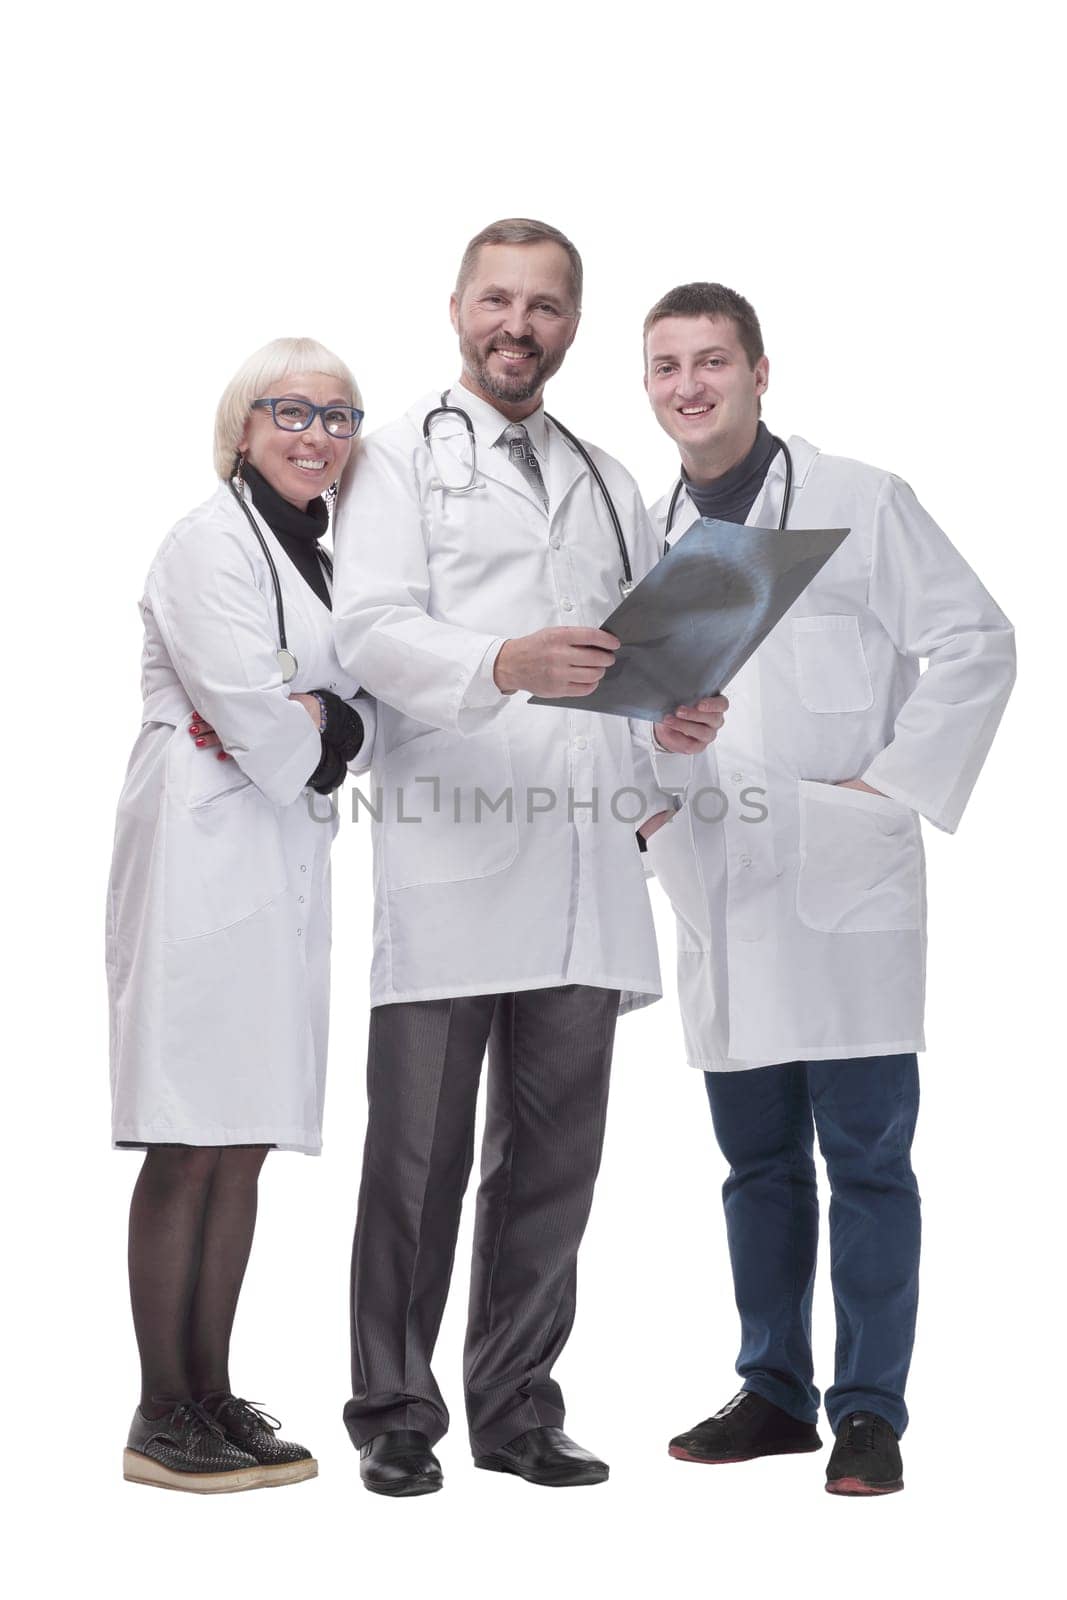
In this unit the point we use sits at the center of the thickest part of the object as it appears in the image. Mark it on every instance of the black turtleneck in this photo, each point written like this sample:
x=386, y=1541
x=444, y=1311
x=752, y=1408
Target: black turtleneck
x=731, y=497
x=298, y=532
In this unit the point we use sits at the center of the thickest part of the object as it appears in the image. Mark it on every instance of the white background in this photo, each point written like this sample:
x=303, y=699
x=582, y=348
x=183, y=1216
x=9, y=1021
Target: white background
x=880, y=181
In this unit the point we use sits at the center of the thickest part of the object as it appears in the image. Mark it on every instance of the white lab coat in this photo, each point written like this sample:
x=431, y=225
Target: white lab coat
x=428, y=585
x=218, y=912
x=802, y=936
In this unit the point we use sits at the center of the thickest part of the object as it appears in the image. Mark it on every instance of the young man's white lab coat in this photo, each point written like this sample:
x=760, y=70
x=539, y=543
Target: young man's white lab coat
x=801, y=931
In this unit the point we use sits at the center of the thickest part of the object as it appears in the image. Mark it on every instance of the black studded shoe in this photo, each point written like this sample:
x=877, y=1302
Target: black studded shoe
x=255, y=1432
x=866, y=1458
x=187, y=1450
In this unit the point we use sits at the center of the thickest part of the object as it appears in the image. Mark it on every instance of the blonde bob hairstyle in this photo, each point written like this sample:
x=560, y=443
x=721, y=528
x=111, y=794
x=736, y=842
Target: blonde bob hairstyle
x=259, y=378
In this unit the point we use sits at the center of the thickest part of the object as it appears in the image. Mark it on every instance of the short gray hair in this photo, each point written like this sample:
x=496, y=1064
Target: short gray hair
x=520, y=230
x=254, y=380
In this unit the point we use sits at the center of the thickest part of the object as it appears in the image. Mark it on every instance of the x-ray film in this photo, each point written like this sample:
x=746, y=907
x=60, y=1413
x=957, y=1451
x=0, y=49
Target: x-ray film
x=692, y=623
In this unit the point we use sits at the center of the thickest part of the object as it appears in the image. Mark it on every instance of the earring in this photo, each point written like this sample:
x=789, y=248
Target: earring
x=237, y=476
x=330, y=498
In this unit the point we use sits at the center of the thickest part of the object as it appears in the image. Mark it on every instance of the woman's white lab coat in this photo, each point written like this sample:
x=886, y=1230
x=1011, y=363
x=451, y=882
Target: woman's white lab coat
x=539, y=892
x=218, y=913
x=801, y=932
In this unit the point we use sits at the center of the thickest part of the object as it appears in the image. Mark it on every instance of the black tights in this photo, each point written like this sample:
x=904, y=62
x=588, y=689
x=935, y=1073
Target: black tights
x=192, y=1218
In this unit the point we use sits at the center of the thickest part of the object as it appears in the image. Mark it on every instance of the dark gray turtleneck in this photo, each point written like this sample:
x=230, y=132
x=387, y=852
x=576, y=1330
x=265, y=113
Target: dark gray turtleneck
x=731, y=497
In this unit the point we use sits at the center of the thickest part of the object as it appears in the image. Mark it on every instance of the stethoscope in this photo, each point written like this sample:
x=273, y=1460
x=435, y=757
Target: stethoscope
x=286, y=659
x=679, y=490
x=626, y=582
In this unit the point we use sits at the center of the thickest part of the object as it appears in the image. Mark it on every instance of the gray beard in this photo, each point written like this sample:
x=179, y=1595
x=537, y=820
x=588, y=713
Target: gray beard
x=512, y=390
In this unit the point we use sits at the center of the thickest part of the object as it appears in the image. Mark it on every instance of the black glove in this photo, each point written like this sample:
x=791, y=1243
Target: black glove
x=342, y=739
x=344, y=726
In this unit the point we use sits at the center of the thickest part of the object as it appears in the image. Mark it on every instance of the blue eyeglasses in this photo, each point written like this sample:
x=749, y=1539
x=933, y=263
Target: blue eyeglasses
x=294, y=416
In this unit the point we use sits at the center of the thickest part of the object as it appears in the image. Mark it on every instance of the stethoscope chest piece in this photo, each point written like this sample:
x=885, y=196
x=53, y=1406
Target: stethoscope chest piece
x=288, y=664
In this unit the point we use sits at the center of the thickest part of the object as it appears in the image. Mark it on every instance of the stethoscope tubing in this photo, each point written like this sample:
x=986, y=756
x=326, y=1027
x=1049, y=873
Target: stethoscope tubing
x=445, y=409
x=283, y=643
x=679, y=490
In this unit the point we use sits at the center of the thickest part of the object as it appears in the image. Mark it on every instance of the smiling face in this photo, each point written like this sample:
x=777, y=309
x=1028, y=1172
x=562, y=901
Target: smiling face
x=516, y=319
x=703, y=391
x=298, y=466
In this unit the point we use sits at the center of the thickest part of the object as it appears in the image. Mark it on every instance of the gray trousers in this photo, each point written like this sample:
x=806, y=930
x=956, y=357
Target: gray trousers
x=549, y=1066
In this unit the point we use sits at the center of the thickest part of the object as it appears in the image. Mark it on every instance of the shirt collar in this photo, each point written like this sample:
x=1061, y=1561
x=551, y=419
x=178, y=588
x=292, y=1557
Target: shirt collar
x=490, y=426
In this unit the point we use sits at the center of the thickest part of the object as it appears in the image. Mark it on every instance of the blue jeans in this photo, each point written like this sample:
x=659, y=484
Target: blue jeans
x=864, y=1112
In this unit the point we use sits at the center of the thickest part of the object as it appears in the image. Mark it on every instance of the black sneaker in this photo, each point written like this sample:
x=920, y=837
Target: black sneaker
x=866, y=1458
x=255, y=1432
x=187, y=1450
x=747, y=1427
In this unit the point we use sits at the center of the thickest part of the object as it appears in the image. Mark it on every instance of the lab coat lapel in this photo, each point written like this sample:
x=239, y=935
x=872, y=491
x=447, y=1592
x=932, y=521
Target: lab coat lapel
x=562, y=470
x=685, y=515
x=767, y=506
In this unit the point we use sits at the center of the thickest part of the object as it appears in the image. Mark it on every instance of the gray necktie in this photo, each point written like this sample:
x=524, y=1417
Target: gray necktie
x=521, y=452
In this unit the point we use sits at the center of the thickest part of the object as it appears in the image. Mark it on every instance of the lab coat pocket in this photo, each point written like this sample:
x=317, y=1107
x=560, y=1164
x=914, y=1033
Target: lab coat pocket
x=673, y=858
x=449, y=809
x=832, y=671
x=861, y=862
x=222, y=851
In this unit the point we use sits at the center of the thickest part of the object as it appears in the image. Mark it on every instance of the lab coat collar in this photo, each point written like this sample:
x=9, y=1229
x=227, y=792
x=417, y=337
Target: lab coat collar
x=766, y=508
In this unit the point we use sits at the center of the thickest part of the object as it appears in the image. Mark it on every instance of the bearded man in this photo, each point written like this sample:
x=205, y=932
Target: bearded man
x=476, y=555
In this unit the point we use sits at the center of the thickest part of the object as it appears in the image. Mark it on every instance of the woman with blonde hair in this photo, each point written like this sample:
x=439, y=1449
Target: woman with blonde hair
x=218, y=926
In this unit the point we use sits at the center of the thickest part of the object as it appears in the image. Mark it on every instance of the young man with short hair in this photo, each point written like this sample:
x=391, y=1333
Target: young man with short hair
x=801, y=923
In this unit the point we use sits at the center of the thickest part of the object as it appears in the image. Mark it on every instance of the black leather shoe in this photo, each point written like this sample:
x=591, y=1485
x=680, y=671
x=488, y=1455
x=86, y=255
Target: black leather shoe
x=866, y=1458
x=399, y=1463
x=747, y=1427
x=545, y=1455
x=187, y=1450
x=255, y=1432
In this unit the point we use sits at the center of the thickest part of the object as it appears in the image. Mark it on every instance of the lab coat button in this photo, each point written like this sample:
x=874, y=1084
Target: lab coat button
x=555, y=541
x=735, y=777
x=299, y=931
x=568, y=605
x=300, y=897
x=580, y=744
x=746, y=861
x=303, y=868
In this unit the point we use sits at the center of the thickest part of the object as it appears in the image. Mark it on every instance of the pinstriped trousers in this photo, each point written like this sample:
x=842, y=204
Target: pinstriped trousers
x=549, y=1067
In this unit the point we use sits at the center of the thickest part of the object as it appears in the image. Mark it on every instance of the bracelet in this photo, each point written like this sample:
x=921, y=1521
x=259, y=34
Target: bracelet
x=322, y=710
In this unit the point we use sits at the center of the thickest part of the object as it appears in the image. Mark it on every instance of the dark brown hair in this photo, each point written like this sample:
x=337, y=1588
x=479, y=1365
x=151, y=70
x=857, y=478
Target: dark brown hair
x=711, y=300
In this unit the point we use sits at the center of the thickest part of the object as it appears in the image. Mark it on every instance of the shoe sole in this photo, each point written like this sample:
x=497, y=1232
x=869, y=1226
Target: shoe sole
x=289, y=1472
x=559, y=1478
x=138, y=1468
x=857, y=1489
x=405, y=1489
x=680, y=1454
